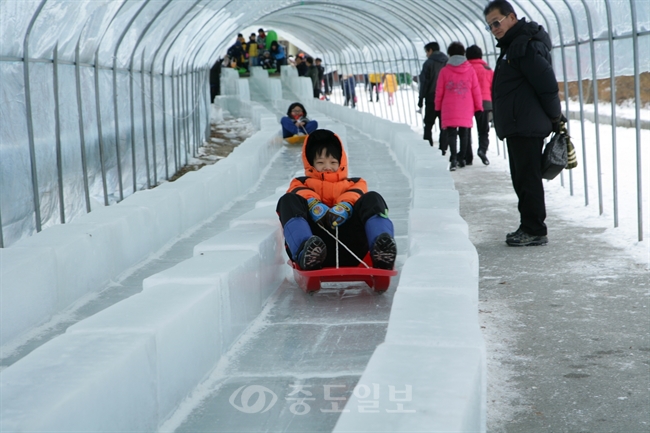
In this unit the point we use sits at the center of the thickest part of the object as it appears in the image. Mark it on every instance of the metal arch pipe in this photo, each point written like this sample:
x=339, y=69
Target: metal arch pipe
x=30, y=120
x=196, y=53
x=566, y=82
x=342, y=40
x=596, y=119
x=582, y=100
x=637, y=122
x=144, y=124
x=207, y=24
x=164, y=65
x=566, y=85
x=153, y=112
x=423, y=12
x=361, y=12
x=369, y=44
x=396, y=58
x=100, y=134
x=482, y=19
x=144, y=114
x=82, y=135
x=57, y=132
x=612, y=84
x=548, y=25
x=193, y=55
x=115, y=106
x=406, y=46
x=328, y=7
x=455, y=29
x=443, y=29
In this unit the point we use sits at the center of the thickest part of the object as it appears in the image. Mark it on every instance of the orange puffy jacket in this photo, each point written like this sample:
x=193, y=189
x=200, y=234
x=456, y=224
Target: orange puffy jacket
x=328, y=187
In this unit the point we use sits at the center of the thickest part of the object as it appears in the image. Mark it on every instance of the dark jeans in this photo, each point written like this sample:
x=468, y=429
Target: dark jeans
x=375, y=87
x=525, y=155
x=352, y=233
x=483, y=130
x=429, y=120
x=463, y=133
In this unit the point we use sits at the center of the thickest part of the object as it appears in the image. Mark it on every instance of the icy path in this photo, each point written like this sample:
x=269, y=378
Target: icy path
x=307, y=351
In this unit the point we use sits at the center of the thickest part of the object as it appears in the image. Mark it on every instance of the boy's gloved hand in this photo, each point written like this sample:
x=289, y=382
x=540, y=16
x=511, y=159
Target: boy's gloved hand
x=317, y=210
x=338, y=214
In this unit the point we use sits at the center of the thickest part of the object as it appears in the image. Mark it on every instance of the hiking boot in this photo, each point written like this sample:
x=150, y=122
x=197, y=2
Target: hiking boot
x=481, y=154
x=525, y=240
x=384, y=252
x=513, y=234
x=312, y=254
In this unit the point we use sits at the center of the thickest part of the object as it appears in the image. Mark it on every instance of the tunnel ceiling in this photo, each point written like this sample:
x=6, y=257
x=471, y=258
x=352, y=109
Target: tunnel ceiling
x=162, y=35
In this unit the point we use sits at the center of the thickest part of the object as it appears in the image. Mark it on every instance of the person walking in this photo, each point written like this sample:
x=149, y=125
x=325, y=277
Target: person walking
x=484, y=74
x=390, y=86
x=312, y=73
x=349, y=84
x=526, y=108
x=427, y=94
x=458, y=97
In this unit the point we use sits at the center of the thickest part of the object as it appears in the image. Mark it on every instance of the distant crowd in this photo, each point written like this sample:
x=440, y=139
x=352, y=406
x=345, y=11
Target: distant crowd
x=260, y=50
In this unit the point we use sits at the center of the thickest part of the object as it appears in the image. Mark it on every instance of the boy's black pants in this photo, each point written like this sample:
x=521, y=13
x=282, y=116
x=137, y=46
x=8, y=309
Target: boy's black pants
x=352, y=233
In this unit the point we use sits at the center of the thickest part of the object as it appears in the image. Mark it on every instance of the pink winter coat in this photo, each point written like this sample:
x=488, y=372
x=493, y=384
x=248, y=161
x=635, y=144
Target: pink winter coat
x=484, y=75
x=458, y=95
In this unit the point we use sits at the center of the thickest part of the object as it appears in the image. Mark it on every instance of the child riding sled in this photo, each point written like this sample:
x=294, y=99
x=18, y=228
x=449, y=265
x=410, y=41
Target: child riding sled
x=326, y=199
x=296, y=125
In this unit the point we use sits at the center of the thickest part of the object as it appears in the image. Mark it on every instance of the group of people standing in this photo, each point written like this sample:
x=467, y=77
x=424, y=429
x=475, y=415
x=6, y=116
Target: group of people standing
x=523, y=95
x=456, y=88
x=256, y=52
x=312, y=68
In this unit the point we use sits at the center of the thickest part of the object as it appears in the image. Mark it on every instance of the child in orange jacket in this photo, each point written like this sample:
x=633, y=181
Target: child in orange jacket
x=325, y=199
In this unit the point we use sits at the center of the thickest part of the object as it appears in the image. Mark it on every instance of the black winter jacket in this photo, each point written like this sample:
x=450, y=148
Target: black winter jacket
x=429, y=75
x=524, y=90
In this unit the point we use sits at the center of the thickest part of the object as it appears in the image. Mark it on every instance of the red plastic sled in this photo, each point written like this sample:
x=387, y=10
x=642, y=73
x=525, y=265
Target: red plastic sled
x=310, y=281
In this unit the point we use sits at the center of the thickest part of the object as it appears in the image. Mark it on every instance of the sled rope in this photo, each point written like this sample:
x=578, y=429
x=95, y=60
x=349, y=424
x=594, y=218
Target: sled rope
x=336, y=238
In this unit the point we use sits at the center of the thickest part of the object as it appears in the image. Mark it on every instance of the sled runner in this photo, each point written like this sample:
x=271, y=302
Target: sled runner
x=377, y=279
x=295, y=139
x=310, y=281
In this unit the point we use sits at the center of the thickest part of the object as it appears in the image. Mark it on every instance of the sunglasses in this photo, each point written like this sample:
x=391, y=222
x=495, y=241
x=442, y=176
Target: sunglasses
x=495, y=24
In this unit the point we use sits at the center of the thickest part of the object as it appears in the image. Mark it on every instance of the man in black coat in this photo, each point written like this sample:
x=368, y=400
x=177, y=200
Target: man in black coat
x=436, y=60
x=526, y=108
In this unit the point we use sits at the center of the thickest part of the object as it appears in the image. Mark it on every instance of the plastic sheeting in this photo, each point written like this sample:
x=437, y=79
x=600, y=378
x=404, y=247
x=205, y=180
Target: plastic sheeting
x=103, y=98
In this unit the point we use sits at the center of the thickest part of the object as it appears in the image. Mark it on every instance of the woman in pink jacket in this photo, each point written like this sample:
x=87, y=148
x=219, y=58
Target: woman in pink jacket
x=484, y=74
x=458, y=97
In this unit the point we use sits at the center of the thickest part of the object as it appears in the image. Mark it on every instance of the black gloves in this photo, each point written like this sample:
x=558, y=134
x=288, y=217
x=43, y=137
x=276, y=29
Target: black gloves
x=557, y=123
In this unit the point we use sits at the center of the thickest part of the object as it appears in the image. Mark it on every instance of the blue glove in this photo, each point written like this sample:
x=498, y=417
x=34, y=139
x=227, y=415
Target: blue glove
x=317, y=210
x=339, y=214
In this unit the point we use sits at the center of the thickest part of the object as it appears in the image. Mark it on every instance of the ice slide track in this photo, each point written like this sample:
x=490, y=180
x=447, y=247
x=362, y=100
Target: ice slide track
x=149, y=369
x=319, y=345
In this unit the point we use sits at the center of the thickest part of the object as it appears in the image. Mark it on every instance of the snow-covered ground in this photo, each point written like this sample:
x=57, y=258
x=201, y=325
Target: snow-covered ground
x=567, y=192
